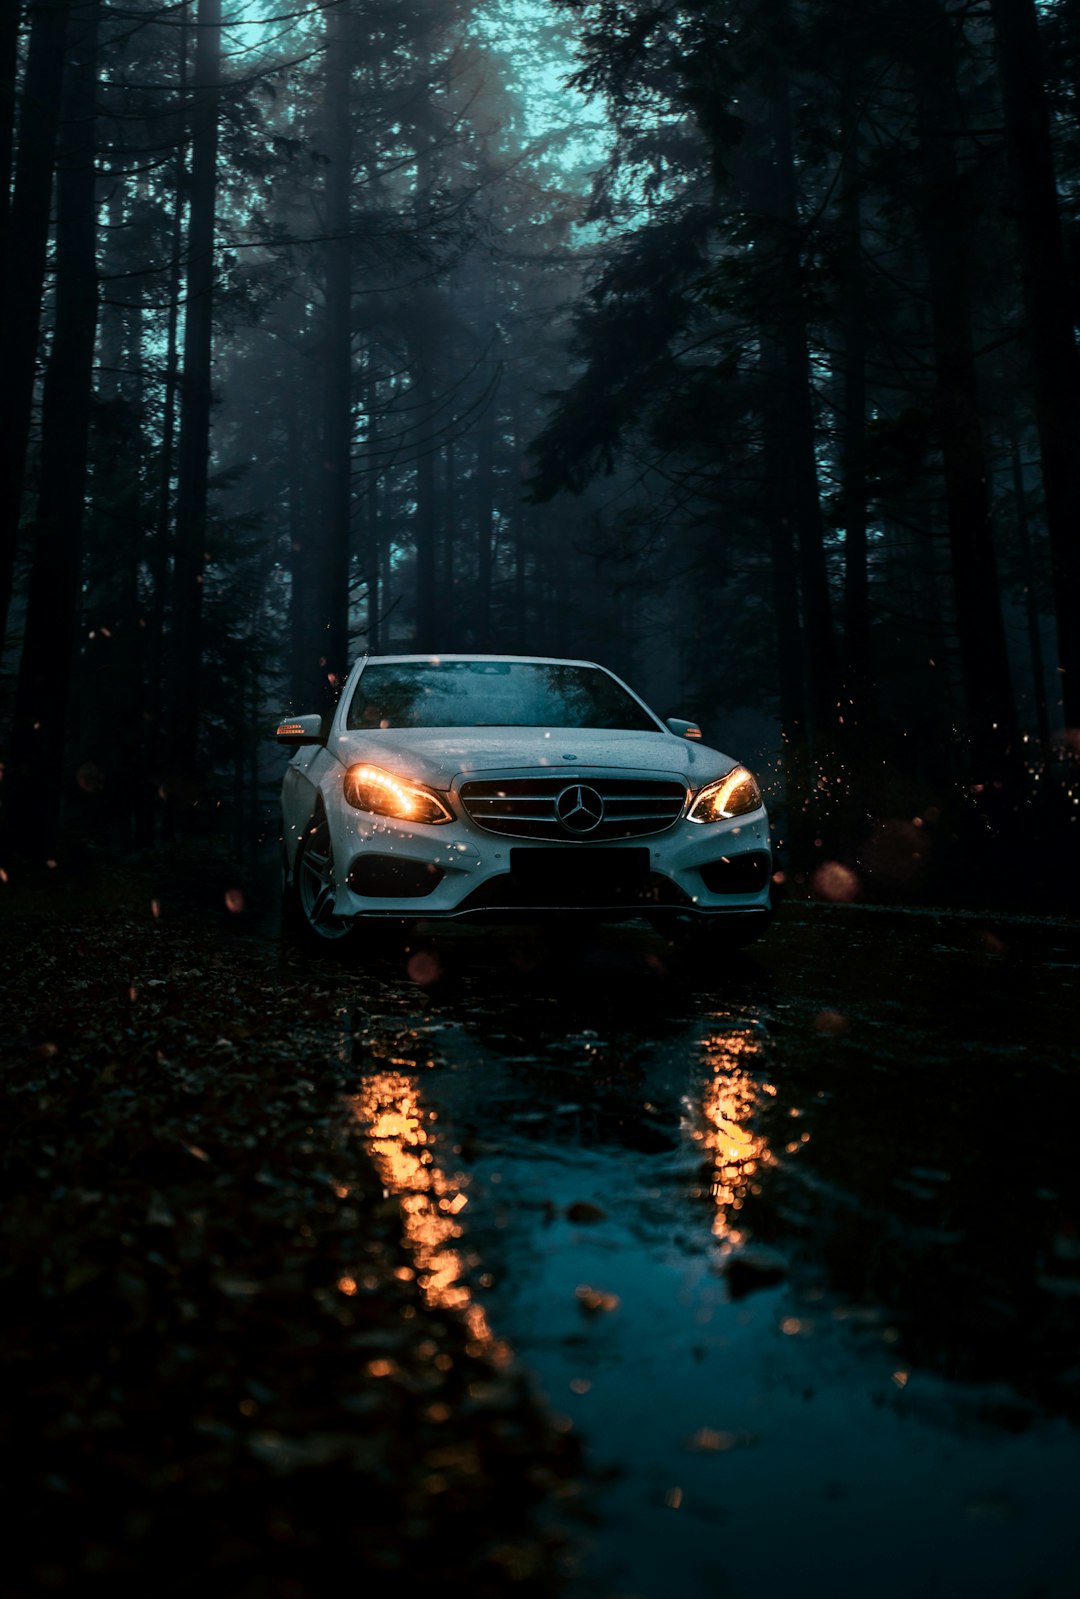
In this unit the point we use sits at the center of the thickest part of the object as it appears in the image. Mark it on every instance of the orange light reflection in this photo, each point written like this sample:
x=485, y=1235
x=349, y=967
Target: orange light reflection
x=391, y=1111
x=732, y=1096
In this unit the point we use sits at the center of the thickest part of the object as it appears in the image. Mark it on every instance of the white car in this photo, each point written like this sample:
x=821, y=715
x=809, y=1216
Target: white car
x=513, y=786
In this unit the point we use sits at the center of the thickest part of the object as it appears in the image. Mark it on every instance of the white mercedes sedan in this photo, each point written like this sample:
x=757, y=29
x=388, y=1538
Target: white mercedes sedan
x=516, y=787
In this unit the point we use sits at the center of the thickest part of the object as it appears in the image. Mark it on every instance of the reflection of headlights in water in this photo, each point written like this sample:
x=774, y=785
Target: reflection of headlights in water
x=391, y=1112
x=731, y=1098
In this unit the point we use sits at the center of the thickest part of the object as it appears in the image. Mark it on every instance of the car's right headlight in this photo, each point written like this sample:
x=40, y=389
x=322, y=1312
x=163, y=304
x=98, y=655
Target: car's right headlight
x=369, y=788
x=732, y=795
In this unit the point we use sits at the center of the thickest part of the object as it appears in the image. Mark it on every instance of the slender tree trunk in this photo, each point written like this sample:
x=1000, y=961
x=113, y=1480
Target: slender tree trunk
x=425, y=524
x=785, y=592
x=517, y=539
x=449, y=522
x=770, y=191
x=800, y=472
x=337, y=444
x=373, y=540
x=161, y=548
x=306, y=682
x=422, y=351
x=193, y=453
x=485, y=523
x=112, y=316
x=43, y=691
x=988, y=695
x=386, y=589
x=857, y=669
x=9, y=63
x=1031, y=604
x=1050, y=304
x=561, y=591
x=22, y=268
x=800, y=430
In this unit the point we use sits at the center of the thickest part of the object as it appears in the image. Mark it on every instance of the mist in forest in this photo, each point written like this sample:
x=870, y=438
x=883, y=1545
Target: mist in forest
x=731, y=345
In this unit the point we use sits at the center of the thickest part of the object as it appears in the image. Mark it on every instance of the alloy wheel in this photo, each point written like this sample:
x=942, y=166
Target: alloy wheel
x=315, y=885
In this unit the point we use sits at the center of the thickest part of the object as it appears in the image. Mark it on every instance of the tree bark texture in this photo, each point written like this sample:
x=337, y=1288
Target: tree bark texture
x=307, y=681
x=785, y=599
x=857, y=667
x=22, y=268
x=984, y=661
x=485, y=520
x=1031, y=604
x=799, y=472
x=42, y=696
x=425, y=522
x=373, y=532
x=163, y=529
x=1049, y=302
x=193, y=451
x=9, y=60
x=334, y=560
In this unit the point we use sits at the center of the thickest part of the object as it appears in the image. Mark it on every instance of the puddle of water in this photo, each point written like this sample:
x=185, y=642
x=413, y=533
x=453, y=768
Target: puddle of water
x=578, y=1201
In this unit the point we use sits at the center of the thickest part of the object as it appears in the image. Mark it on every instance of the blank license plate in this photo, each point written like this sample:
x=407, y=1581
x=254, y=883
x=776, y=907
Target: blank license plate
x=572, y=874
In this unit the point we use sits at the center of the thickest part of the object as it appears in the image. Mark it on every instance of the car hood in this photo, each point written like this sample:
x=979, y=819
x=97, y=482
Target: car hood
x=437, y=756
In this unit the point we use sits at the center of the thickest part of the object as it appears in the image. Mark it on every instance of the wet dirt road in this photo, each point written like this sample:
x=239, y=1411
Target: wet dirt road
x=792, y=1243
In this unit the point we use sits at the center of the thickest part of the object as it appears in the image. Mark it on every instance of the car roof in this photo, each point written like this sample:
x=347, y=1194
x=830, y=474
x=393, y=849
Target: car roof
x=436, y=657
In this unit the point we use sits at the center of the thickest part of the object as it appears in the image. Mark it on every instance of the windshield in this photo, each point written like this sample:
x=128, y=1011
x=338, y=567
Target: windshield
x=493, y=694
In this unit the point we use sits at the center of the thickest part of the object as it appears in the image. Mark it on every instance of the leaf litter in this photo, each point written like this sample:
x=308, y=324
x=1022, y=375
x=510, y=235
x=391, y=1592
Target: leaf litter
x=220, y=1364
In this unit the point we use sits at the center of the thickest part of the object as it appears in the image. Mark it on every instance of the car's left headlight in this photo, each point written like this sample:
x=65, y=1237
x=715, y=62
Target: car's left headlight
x=732, y=795
x=371, y=789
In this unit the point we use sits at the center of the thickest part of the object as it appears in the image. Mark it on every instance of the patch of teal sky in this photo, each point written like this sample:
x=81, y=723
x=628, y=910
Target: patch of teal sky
x=537, y=40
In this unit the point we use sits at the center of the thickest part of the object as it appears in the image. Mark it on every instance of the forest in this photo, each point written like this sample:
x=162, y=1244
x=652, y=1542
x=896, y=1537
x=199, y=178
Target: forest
x=730, y=343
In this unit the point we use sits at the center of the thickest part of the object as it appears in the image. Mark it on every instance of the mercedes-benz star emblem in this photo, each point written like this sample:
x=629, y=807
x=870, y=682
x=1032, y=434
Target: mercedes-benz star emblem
x=579, y=809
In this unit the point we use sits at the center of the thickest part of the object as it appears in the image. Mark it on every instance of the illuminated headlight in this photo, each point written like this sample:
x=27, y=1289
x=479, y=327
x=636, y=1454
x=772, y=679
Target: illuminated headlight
x=733, y=795
x=370, y=789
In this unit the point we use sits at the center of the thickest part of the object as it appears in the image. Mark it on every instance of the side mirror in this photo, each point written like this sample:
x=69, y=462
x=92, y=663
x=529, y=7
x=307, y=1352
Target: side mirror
x=683, y=729
x=297, y=730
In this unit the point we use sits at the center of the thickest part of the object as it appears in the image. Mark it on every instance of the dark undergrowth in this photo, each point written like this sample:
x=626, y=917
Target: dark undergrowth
x=218, y=1361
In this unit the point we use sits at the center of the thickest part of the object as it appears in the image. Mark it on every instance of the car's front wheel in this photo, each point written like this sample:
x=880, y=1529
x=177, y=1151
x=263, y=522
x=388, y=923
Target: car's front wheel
x=309, y=898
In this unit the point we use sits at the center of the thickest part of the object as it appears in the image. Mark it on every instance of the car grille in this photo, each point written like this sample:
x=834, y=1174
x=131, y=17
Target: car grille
x=525, y=807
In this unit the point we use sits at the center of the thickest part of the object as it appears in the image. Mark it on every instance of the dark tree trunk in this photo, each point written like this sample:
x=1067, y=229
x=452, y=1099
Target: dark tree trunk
x=373, y=536
x=1031, y=604
x=785, y=594
x=9, y=61
x=163, y=524
x=113, y=313
x=22, y=268
x=422, y=358
x=485, y=524
x=307, y=682
x=335, y=561
x=517, y=539
x=857, y=668
x=449, y=540
x=193, y=453
x=43, y=691
x=988, y=696
x=1050, y=303
x=800, y=468
x=425, y=524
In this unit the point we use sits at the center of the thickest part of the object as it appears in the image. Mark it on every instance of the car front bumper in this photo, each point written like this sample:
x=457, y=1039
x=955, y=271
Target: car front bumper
x=389, y=869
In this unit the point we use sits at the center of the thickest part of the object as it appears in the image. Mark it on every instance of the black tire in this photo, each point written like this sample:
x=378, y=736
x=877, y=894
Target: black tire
x=308, y=895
